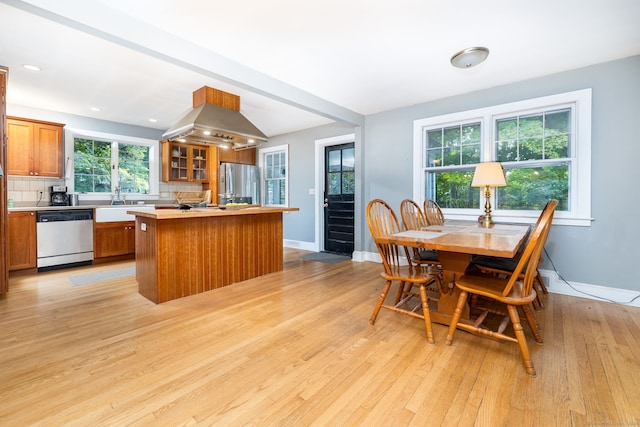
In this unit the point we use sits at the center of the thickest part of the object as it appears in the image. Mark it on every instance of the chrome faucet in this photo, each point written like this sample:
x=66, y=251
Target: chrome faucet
x=117, y=199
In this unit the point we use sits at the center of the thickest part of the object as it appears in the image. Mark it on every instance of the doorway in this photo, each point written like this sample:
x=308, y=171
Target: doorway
x=339, y=191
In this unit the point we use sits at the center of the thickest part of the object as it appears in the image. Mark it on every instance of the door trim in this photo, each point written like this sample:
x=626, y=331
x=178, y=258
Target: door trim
x=320, y=145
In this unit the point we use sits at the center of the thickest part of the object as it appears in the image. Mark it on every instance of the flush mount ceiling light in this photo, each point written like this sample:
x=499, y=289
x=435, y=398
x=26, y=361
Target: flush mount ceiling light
x=469, y=57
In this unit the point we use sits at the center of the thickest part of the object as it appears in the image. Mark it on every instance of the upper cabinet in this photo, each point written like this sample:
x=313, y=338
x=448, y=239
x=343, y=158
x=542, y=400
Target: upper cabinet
x=185, y=162
x=34, y=148
x=246, y=156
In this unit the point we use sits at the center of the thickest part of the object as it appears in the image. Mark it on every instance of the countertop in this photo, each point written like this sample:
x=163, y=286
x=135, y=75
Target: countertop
x=58, y=208
x=206, y=212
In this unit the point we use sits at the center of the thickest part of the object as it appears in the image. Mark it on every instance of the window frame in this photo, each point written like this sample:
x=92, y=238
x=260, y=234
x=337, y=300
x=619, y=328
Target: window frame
x=579, y=213
x=154, y=163
x=263, y=152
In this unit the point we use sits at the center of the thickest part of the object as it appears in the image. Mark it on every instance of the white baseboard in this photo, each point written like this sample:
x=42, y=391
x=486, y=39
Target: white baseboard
x=297, y=244
x=557, y=285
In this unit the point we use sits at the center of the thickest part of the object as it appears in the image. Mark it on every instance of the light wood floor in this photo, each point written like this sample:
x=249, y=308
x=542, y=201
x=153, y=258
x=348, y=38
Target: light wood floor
x=295, y=349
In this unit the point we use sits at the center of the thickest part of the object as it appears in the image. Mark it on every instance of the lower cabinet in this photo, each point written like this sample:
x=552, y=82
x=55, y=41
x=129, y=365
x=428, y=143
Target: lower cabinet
x=114, y=239
x=21, y=241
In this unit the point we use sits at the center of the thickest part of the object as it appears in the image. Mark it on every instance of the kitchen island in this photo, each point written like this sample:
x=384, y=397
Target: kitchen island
x=186, y=252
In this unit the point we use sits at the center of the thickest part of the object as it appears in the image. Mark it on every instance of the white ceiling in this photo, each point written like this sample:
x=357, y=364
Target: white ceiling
x=295, y=64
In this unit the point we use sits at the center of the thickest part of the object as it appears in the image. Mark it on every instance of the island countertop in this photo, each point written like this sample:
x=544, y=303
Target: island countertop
x=160, y=214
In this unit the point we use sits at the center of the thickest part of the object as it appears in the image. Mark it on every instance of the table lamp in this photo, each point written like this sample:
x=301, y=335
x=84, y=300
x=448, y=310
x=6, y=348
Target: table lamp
x=487, y=175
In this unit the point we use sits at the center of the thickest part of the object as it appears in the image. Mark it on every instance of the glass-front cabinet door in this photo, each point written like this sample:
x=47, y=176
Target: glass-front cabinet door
x=199, y=162
x=183, y=162
x=179, y=162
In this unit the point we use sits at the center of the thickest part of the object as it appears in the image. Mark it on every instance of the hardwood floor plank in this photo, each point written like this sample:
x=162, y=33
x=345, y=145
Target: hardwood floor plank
x=295, y=348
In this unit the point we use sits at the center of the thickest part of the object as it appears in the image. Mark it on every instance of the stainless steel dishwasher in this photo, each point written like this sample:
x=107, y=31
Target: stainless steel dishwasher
x=64, y=238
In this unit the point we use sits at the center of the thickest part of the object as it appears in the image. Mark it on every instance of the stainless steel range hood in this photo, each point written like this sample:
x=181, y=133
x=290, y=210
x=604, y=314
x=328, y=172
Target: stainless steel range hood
x=216, y=119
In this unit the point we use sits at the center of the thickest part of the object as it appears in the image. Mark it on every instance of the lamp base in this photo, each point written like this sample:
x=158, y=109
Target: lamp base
x=487, y=221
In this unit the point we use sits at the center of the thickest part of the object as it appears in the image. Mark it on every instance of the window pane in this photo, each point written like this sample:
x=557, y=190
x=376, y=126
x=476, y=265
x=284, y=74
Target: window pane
x=434, y=139
x=348, y=159
x=452, y=189
x=334, y=161
x=92, y=165
x=334, y=183
x=133, y=168
x=531, y=188
x=348, y=183
x=530, y=149
x=530, y=127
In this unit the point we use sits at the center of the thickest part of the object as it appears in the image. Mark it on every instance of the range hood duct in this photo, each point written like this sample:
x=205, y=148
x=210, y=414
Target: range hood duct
x=216, y=119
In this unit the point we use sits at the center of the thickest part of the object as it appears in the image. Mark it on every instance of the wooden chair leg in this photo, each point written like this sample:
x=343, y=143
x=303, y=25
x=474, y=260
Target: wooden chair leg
x=426, y=314
x=522, y=340
x=402, y=290
x=456, y=317
x=381, y=298
x=540, y=281
x=533, y=323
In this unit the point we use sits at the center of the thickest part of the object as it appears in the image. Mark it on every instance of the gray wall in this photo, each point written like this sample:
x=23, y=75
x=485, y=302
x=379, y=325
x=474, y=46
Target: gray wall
x=300, y=226
x=604, y=254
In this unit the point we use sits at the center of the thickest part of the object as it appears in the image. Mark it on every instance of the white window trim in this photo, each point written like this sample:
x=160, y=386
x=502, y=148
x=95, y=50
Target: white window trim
x=261, y=155
x=154, y=161
x=579, y=213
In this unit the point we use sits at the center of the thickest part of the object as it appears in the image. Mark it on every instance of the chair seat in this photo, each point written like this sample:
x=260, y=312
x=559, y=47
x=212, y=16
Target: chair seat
x=407, y=274
x=428, y=255
x=492, y=287
x=495, y=263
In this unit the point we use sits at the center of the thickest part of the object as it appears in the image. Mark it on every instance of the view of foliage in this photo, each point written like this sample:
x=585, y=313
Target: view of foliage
x=275, y=172
x=341, y=171
x=93, y=172
x=526, y=145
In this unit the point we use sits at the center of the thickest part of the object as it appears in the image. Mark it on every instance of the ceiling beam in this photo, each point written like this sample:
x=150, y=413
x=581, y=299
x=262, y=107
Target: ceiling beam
x=99, y=20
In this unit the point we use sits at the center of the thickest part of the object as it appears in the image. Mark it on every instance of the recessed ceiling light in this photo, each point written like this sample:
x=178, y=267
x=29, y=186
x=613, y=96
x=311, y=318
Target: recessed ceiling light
x=153, y=120
x=206, y=132
x=95, y=109
x=31, y=67
x=469, y=57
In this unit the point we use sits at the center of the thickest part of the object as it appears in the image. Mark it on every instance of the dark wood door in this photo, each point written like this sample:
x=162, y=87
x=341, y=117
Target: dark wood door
x=339, y=198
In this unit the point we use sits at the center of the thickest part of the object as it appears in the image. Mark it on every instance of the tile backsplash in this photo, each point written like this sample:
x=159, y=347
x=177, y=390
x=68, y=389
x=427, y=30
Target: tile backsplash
x=26, y=191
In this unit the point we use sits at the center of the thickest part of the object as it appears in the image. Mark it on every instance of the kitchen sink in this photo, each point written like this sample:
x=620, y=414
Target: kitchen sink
x=116, y=213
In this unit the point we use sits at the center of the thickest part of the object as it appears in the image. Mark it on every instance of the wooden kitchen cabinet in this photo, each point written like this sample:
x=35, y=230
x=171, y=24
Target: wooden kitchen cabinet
x=185, y=162
x=34, y=148
x=21, y=241
x=246, y=156
x=112, y=239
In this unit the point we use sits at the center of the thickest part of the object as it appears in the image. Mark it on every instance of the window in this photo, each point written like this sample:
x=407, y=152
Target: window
x=544, y=145
x=105, y=164
x=274, y=162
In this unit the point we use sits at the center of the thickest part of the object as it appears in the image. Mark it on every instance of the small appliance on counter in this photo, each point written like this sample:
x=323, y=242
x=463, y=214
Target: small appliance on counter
x=59, y=196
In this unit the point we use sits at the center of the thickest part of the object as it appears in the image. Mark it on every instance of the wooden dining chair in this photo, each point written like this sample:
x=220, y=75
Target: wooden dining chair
x=413, y=219
x=383, y=221
x=506, y=266
x=514, y=291
x=433, y=213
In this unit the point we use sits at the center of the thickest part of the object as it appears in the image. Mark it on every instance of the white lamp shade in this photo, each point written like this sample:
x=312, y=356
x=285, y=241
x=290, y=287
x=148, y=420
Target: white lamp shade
x=489, y=173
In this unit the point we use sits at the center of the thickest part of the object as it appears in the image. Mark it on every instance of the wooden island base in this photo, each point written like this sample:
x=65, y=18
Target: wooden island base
x=182, y=253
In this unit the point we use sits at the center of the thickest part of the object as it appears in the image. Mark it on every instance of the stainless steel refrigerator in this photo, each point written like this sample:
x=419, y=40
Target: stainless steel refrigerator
x=239, y=184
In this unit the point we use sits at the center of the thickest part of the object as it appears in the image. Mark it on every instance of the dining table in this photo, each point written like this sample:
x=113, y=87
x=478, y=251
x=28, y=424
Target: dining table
x=456, y=243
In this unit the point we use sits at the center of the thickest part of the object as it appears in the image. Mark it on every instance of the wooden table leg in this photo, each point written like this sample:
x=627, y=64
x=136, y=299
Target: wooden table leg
x=454, y=265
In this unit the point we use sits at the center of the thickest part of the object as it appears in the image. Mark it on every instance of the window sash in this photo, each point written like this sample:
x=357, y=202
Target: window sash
x=151, y=161
x=274, y=163
x=576, y=209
